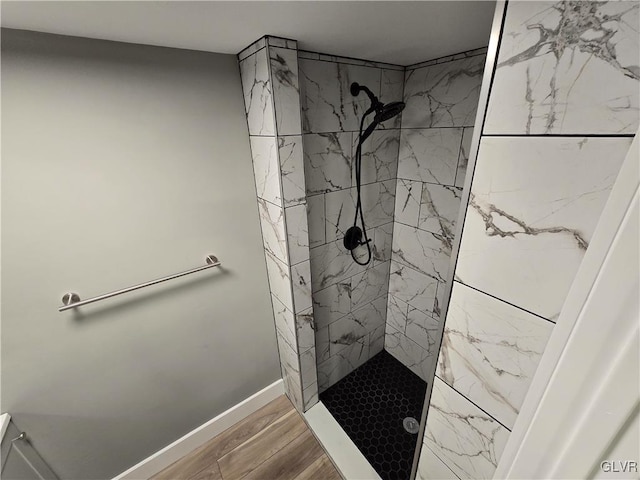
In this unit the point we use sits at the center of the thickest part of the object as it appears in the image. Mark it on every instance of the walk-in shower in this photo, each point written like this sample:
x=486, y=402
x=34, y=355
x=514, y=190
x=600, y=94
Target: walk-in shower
x=354, y=236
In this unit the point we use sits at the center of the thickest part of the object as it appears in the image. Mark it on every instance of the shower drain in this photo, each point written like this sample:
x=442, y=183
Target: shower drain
x=411, y=425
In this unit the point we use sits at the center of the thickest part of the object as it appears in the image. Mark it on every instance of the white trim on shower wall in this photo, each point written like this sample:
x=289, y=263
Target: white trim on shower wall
x=586, y=385
x=192, y=440
x=351, y=463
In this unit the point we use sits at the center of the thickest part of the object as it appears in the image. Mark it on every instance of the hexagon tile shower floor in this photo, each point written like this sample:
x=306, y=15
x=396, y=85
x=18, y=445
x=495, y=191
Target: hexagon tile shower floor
x=370, y=404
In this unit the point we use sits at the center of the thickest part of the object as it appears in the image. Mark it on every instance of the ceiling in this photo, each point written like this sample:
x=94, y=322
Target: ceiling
x=391, y=31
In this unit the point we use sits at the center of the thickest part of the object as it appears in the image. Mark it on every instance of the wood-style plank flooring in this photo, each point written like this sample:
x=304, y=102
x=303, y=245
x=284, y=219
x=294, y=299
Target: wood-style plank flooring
x=273, y=443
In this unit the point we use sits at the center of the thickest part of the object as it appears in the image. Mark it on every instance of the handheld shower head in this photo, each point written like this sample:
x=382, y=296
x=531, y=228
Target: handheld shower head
x=388, y=111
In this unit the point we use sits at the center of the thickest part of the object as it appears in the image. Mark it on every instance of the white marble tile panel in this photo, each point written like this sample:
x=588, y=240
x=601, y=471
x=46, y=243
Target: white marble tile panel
x=463, y=159
x=297, y=233
x=412, y=287
x=316, y=220
x=430, y=467
x=376, y=341
x=305, y=330
x=369, y=285
x=279, y=280
x=326, y=100
x=423, y=329
x=391, y=90
x=490, y=351
x=409, y=353
x=332, y=263
x=439, y=208
x=301, y=282
x=285, y=323
x=286, y=94
x=567, y=68
x=322, y=344
x=465, y=438
x=534, y=205
x=290, y=368
x=356, y=325
x=256, y=87
x=332, y=303
x=423, y=251
x=327, y=162
x=408, y=199
x=251, y=49
x=291, y=170
x=308, y=368
x=379, y=156
x=342, y=364
x=382, y=242
x=264, y=151
x=443, y=95
x=429, y=155
x=397, y=313
x=310, y=396
x=273, y=230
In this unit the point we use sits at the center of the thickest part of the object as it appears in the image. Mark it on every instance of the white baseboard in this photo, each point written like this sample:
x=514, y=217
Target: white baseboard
x=192, y=440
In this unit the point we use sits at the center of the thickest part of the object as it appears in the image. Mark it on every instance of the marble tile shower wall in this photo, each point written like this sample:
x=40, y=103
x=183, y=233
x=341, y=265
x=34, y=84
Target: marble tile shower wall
x=562, y=111
x=269, y=74
x=349, y=300
x=441, y=99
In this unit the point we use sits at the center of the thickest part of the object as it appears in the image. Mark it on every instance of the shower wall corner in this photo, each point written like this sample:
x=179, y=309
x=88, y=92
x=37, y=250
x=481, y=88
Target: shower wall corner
x=269, y=75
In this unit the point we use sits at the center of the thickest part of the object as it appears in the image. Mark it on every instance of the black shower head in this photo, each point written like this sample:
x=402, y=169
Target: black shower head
x=390, y=110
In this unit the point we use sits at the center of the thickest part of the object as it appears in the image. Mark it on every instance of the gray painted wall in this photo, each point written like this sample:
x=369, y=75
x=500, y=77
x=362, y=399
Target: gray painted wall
x=122, y=163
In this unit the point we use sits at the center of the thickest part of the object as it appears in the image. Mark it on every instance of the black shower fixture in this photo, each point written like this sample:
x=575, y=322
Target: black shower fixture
x=353, y=237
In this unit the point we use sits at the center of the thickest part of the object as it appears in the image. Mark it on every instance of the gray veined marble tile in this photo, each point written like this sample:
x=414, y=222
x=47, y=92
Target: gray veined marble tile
x=382, y=241
x=316, y=220
x=391, y=90
x=465, y=438
x=397, y=313
x=305, y=330
x=426, y=252
x=322, y=344
x=286, y=94
x=412, y=287
x=332, y=303
x=443, y=95
x=408, y=198
x=534, y=205
x=282, y=42
x=429, y=155
x=279, y=279
x=376, y=341
x=342, y=364
x=290, y=368
x=423, y=329
x=369, y=285
x=325, y=97
x=567, y=67
x=439, y=208
x=310, y=396
x=430, y=466
x=308, y=367
x=379, y=156
x=251, y=49
x=490, y=351
x=273, y=231
x=264, y=152
x=291, y=170
x=327, y=162
x=285, y=323
x=297, y=233
x=358, y=324
x=332, y=263
x=378, y=200
x=256, y=87
x=463, y=159
x=301, y=282
x=409, y=353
